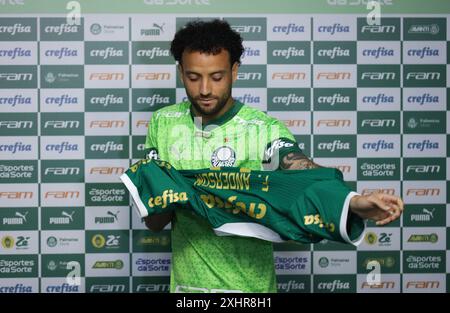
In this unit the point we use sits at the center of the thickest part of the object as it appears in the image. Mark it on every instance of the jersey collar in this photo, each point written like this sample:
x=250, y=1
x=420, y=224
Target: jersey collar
x=228, y=115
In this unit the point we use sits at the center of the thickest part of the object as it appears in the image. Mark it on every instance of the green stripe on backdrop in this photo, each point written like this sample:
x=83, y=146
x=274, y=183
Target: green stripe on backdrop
x=227, y=6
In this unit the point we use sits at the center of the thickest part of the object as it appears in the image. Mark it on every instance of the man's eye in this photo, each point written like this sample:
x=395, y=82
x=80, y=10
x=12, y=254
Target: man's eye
x=217, y=78
x=193, y=78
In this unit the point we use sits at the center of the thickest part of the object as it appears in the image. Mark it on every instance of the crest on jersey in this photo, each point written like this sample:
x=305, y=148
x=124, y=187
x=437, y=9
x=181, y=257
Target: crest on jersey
x=223, y=157
x=151, y=153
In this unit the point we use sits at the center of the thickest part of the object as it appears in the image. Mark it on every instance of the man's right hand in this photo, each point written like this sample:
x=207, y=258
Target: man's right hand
x=157, y=222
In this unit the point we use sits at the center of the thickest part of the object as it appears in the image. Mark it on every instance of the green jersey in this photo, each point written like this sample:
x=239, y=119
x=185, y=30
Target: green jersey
x=305, y=206
x=242, y=137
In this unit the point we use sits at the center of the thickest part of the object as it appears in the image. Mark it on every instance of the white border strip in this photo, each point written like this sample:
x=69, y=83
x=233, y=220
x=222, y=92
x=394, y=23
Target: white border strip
x=343, y=221
x=248, y=230
x=140, y=207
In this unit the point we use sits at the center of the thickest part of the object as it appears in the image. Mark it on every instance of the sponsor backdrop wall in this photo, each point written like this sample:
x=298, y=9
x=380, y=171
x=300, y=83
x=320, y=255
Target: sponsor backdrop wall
x=75, y=103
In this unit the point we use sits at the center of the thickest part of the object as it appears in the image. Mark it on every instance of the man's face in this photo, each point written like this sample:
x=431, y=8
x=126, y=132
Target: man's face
x=207, y=79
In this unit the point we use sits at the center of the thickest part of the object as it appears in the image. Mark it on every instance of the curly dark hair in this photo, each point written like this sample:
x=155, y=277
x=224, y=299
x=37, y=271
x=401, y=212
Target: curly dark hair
x=207, y=37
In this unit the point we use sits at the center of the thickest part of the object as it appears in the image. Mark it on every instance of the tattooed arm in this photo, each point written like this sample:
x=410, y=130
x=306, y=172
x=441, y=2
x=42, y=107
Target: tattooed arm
x=285, y=154
x=297, y=161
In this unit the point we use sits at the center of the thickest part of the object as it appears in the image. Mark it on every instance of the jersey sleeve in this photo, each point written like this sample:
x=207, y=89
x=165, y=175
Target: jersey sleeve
x=280, y=143
x=151, y=143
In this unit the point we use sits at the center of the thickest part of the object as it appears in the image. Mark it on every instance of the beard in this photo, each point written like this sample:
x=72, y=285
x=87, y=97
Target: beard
x=212, y=109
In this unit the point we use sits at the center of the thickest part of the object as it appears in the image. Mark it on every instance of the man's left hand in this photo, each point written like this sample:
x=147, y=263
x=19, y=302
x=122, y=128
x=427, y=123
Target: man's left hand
x=379, y=207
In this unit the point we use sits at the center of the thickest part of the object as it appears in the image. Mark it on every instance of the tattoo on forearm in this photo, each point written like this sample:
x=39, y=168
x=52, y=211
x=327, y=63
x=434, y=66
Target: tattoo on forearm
x=297, y=161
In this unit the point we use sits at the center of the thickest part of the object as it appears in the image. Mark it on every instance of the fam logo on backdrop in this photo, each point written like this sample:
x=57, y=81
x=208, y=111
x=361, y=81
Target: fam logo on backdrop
x=107, y=284
x=18, y=76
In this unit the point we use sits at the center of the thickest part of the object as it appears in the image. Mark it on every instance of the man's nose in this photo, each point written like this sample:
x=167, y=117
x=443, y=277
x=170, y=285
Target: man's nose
x=205, y=87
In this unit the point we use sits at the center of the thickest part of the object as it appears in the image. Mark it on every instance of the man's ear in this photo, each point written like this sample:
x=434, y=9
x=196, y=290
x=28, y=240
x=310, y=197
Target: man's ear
x=234, y=71
x=180, y=72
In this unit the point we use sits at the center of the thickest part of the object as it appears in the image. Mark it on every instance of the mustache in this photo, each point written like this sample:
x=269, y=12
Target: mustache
x=206, y=98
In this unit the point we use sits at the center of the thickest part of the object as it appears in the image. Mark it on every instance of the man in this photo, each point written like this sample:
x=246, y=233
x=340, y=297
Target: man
x=214, y=130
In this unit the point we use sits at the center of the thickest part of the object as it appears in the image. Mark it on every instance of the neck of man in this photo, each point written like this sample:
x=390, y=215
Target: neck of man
x=208, y=118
